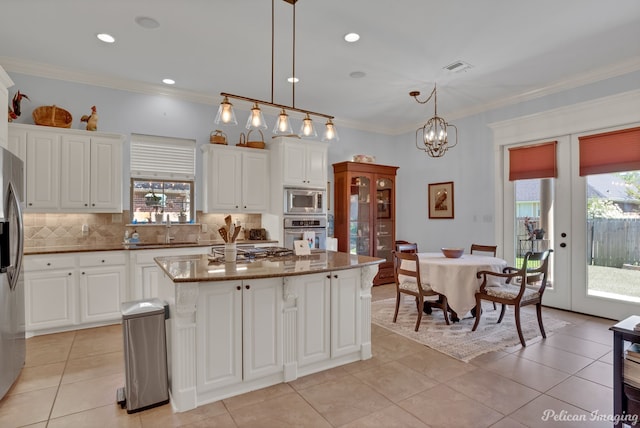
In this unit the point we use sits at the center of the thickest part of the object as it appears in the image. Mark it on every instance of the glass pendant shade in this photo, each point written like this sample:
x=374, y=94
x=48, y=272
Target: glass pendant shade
x=226, y=115
x=330, y=132
x=256, y=119
x=307, y=129
x=283, y=125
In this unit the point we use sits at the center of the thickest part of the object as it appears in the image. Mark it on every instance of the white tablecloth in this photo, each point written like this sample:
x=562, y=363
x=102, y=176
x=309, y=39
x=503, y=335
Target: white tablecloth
x=456, y=278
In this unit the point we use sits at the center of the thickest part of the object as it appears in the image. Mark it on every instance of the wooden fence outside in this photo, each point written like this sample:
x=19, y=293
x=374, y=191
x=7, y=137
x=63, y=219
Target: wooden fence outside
x=613, y=242
x=610, y=242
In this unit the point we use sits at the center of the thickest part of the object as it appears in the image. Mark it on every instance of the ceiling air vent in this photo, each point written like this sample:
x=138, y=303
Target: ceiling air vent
x=458, y=66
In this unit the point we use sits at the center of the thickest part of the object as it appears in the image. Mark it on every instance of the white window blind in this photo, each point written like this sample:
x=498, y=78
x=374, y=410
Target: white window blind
x=162, y=157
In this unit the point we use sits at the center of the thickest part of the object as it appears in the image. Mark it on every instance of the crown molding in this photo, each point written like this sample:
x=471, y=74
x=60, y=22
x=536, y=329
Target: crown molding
x=33, y=68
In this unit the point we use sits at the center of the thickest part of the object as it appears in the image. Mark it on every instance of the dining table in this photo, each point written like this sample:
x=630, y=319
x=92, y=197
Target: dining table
x=456, y=278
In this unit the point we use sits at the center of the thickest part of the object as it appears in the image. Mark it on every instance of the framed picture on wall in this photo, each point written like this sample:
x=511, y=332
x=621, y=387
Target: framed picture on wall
x=441, y=200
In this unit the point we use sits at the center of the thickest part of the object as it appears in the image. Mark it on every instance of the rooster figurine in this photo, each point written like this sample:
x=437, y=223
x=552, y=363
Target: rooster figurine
x=14, y=109
x=92, y=121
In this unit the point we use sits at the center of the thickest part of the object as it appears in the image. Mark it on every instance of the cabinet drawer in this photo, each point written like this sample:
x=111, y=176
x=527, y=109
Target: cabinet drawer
x=38, y=263
x=102, y=259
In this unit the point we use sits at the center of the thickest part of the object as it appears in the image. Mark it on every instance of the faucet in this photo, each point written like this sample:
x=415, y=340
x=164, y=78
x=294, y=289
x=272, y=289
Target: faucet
x=167, y=236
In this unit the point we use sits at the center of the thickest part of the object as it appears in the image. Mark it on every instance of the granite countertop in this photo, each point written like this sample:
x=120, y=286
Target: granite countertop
x=140, y=246
x=200, y=268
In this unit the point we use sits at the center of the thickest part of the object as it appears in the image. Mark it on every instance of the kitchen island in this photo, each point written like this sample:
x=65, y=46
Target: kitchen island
x=241, y=326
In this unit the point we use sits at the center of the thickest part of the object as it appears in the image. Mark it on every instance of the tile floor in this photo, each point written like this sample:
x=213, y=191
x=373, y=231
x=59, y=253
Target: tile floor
x=70, y=380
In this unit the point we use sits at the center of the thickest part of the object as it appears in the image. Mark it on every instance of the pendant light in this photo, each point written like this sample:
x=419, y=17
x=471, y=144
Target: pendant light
x=307, y=130
x=330, y=132
x=226, y=115
x=256, y=119
x=283, y=126
x=433, y=136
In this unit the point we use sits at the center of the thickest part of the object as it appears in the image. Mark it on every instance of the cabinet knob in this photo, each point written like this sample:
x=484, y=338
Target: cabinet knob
x=86, y=205
x=247, y=287
x=30, y=203
x=48, y=264
x=93, y=205
x=335, y=276
x=69, y=274
x=328, y=276
x=102, y=261
x=236, y=206
x=83, y=273
x=238, y=288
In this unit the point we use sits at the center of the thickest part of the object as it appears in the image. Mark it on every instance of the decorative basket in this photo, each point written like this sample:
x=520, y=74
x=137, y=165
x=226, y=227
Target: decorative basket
x=52, y=116
x=218, y=137
x=255, y=144
x=243, y=141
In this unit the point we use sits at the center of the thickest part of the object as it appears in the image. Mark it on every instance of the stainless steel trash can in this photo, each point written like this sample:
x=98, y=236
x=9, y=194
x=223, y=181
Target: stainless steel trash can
x=145, y=355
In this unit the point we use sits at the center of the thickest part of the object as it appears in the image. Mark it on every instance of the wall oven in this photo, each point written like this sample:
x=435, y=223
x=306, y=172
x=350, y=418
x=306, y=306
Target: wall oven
x=310, y=229
x=304, y=201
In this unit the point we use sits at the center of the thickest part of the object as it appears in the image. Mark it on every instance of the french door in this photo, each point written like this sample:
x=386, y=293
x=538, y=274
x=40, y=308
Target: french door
x=587, y=275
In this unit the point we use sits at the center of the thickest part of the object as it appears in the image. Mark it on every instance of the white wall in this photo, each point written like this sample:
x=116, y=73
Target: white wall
x=470, y=165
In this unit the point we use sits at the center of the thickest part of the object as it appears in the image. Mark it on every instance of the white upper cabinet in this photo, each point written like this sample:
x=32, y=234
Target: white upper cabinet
x=236, y=179
x=300, y=163
x=69, y=170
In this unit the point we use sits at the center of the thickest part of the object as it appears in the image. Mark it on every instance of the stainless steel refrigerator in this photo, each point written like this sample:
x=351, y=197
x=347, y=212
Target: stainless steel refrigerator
x=12, y=321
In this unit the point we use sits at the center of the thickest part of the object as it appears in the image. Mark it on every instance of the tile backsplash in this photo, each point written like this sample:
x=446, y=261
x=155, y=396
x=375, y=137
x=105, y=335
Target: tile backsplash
x=66, y=229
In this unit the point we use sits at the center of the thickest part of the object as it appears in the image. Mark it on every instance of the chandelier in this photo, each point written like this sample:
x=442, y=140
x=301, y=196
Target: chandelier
x=227, y=116
x=433, y=136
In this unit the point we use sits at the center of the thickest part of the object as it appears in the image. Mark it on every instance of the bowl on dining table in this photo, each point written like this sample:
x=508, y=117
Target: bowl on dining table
x=452, y=253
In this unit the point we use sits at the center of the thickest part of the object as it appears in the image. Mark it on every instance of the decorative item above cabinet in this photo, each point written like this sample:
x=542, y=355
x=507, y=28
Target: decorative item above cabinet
x=69, y=170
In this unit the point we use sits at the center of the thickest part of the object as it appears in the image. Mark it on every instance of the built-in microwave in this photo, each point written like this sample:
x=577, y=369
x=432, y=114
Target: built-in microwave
x=304, y=201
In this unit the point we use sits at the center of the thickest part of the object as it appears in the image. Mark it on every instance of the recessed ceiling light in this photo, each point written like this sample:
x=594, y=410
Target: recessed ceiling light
x=146, y=22
x=293, y=80
x=357, y=74
x=107, y=38
x=168, y=81
x=352, y=37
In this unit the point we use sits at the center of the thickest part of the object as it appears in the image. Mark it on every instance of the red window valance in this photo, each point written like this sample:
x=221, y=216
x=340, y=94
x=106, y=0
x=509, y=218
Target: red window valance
x=615, y=151
x=538, y=161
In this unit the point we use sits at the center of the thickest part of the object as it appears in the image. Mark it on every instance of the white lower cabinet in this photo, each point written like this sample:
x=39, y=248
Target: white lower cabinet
x=328, y=315
x=313, y=317
x=239, y=332
x=102, y=286
x=65, y=291
x=50, y=299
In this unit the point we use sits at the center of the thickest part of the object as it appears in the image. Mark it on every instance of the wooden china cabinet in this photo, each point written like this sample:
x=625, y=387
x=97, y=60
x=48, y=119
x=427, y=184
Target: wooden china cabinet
x=365, y=212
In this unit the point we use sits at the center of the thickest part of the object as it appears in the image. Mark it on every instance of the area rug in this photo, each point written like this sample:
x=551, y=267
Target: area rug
x=457, y=340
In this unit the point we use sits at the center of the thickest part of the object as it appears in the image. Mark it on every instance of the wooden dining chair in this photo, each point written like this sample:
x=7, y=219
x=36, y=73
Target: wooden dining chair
x=518, y=289
x=408, y=282
x=478, y=248
x=406, y=247
x=489, y=249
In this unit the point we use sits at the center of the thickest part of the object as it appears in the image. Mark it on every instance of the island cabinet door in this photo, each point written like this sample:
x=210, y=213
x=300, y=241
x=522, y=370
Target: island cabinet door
x=313, y=322
x=345, y=312
x=219, y=336
x=262, y=327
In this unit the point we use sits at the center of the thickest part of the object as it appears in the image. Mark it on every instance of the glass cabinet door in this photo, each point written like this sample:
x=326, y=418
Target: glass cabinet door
x=384, y=244
x=359, y=214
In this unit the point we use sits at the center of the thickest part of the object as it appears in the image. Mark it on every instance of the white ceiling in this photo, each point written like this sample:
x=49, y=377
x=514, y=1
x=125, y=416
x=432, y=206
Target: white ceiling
x=518, y=50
